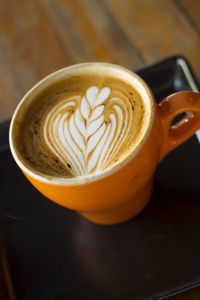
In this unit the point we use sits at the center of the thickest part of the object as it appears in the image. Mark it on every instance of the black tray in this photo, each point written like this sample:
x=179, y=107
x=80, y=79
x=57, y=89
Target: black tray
x=53, y=253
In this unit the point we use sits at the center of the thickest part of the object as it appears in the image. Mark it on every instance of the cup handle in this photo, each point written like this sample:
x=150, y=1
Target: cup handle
x=168, y=109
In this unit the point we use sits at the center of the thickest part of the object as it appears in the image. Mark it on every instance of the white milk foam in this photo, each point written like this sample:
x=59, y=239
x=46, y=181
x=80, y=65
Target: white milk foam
x=78, y=132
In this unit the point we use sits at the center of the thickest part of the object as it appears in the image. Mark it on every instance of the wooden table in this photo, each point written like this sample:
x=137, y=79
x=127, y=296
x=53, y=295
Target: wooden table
x=39, y=36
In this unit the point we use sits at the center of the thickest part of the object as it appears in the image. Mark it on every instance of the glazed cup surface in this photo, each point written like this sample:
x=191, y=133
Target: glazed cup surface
x=120, y=193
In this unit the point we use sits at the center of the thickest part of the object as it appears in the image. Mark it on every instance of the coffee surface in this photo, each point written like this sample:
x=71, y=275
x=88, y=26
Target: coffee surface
x=81, y=125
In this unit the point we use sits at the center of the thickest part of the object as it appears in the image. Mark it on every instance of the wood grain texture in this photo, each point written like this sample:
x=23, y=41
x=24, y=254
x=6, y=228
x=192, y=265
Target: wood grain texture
x=157, y=28
x=191, y=11
x=28, y=51
x=93, y=34
x=40, y=36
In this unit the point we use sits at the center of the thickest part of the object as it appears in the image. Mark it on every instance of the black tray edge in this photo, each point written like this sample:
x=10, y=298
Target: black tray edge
x=185, y=65
x=186, y=287
x=4, y=129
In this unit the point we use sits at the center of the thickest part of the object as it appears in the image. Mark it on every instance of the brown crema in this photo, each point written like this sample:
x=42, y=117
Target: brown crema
x=83, y=124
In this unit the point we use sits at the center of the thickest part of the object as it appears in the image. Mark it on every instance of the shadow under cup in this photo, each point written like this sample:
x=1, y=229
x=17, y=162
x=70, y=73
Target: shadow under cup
x=116, y=195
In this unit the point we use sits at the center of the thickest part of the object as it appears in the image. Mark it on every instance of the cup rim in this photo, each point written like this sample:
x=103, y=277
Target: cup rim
x=79, y=180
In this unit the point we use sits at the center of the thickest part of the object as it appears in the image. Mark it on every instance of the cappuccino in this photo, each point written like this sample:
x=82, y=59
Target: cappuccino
x=88, y=121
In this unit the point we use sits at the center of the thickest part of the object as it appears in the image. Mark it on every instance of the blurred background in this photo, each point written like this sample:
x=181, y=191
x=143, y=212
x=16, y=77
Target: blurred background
x=38, y=37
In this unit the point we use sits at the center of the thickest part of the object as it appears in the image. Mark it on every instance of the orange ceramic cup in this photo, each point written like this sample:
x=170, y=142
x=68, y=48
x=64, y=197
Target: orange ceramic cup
x=118, y=194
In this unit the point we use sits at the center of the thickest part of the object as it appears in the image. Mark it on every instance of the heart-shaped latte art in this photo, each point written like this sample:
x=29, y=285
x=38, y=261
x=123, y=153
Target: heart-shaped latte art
x=85, y=133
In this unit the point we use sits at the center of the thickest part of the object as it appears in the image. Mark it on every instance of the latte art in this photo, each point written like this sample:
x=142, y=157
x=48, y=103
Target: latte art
x=85, y=123
x=85, y=132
